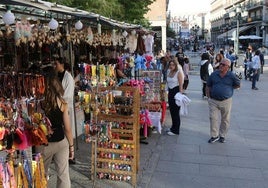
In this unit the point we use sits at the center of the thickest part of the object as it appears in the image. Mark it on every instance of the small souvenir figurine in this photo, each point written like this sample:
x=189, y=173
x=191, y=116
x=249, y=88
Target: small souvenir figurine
x=117, y=177
x=116, y=166
x=128, y=168
x=101, y=175
x=112, y=177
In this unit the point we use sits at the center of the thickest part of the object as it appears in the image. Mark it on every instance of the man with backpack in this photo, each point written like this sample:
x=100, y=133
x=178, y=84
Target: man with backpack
x=205, y=70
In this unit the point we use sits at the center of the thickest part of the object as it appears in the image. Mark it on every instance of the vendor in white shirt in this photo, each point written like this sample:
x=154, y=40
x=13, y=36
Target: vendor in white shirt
x=68, y=85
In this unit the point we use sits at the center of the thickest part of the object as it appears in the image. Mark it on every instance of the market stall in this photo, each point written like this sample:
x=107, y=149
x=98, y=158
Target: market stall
x=33, y=32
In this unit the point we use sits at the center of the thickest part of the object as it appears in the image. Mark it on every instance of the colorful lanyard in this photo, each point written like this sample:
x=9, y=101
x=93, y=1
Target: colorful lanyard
x=11, y=174
x=27, y=171
x=21, y=177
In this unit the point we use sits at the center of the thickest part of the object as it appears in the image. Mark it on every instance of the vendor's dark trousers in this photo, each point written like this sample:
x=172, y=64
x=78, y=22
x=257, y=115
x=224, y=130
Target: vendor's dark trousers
x=232, y=66
x=245, y=72
x=185, y=84
x=254, y=79
x=204, y=88
x=258, y=74
x=174, y=110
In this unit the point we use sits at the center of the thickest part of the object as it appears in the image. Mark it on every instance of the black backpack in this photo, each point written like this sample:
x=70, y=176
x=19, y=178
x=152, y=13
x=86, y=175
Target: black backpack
x=204, y=71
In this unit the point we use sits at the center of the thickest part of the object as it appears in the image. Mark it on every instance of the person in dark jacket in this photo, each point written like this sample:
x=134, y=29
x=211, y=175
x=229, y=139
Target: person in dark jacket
x=205, y=70
x=262, y=63
x=247, y=62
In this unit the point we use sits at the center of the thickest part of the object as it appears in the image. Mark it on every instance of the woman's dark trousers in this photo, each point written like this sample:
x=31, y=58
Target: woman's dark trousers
x=174, y=110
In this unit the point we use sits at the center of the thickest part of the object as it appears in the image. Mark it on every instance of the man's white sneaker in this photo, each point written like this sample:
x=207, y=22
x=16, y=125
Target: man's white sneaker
x=170, y=133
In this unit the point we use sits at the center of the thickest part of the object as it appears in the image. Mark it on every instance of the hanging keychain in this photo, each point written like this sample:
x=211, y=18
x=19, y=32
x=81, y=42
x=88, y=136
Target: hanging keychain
x=11, y=173
x=42, y=171
x=2, y=172
x=21, y=177
x=34, y=166
x=27, y=170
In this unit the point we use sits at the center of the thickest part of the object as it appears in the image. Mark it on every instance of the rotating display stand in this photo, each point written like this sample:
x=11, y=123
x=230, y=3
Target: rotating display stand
x=116, y=149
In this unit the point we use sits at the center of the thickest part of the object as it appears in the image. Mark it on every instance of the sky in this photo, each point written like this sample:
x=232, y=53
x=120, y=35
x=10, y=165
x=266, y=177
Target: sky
x=188, y=7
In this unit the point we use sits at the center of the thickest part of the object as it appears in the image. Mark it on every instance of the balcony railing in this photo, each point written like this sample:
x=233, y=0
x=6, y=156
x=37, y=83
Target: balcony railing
x=254, y=5
x=255, y=18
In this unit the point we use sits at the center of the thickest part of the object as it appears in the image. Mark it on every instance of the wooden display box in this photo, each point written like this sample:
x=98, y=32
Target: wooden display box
x=118, y=151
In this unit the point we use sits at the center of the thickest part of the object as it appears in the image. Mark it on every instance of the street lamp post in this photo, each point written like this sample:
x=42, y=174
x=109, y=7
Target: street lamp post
x=227, y=29
x=223, y=41
x=238, y=14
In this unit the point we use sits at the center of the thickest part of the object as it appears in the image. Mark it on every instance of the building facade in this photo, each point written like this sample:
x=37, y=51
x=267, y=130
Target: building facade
x=185, y=25
x=247, y=17
x=158, y=19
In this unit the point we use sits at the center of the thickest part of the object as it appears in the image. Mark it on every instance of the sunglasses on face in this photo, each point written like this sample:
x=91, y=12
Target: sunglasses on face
x=224, y=65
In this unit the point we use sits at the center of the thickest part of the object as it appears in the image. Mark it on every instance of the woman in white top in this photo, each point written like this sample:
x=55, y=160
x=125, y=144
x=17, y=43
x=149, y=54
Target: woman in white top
x=174, y=85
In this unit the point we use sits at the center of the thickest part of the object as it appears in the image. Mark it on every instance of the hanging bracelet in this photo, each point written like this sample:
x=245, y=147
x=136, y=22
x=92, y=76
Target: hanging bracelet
x=71, y=146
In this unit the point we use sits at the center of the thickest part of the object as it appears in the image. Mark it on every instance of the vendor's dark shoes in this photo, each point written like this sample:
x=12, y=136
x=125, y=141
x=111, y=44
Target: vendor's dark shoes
x=213, y=139
x=254, y=88
x=222, y=140
x=72, y=161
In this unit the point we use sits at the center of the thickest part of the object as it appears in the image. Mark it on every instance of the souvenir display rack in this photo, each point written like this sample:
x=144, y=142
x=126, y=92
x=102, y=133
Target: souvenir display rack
x=153, y=98
x=152, y=87
x=117, y=153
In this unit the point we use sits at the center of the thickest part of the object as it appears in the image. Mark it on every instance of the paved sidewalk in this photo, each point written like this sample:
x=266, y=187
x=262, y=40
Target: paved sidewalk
x=187, y=160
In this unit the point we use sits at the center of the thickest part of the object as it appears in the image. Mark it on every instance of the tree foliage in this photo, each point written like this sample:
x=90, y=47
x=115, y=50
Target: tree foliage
x=129, y=11
x=170, y=32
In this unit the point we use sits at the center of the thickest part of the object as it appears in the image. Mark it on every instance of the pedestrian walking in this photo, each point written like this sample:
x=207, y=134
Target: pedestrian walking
x=218, y=58
x=164, y=68
x=256, y=65
x=247, y=63
x=205, y=70
x=181, y=61
x=232, y=57
x=186, y=68
x=180, y=53
x=220, y=86
x=174, y=85
x=60, y=146
x=262, y=62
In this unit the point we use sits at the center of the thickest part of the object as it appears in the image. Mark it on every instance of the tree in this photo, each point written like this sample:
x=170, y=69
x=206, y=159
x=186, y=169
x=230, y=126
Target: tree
x=170, y=32
x=63, y=2
x=108, y=8
x=134, y=11
x=129, y=11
